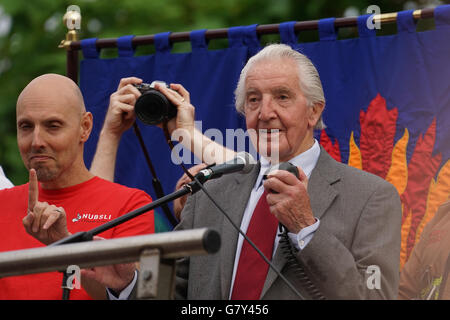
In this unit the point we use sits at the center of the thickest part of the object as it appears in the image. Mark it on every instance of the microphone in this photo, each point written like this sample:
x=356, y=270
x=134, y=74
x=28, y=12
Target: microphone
x=243, y=162
x=289, y=167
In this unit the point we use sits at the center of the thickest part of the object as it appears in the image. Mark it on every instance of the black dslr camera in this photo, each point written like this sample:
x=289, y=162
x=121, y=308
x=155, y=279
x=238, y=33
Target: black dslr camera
x=152, y=107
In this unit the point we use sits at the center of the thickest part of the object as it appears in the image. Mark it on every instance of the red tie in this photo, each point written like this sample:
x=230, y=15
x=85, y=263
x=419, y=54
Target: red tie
x=252, y=269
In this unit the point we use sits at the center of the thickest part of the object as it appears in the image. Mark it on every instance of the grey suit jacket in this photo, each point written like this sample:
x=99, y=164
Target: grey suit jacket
x=360, y=220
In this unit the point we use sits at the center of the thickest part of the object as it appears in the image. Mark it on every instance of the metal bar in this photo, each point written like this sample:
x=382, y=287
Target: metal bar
x=172, y=245
x=157, y=276
x=149, y=278
x=72, y=64
x=261, y=29
x=166, y=280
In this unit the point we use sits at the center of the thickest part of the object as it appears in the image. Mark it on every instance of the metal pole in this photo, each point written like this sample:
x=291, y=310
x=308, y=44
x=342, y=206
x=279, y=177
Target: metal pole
x=72, y=20
x=172, y=245
x=263, y=29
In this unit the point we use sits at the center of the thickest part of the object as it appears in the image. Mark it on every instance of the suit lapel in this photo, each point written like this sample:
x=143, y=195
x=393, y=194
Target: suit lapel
x=238, y=194
x=320, y=187
x=321, y=194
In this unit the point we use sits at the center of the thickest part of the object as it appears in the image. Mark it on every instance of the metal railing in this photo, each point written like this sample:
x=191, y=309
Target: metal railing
x=151, y=250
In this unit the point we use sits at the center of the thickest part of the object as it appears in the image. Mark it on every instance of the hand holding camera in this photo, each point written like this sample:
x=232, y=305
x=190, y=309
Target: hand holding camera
x=152, y=107
x=120, y=116
x=160, y=102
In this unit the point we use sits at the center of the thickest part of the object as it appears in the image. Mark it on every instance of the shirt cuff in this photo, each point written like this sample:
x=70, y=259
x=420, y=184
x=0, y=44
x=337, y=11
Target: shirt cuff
x=301, y=239
x=125, y=293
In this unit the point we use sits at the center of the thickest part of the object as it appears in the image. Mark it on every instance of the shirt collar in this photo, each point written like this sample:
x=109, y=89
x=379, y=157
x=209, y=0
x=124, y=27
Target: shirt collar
x=308, y=159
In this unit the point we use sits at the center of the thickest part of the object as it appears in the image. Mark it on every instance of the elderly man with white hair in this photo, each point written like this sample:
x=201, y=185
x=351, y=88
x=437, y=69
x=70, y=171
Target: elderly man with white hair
x=340, y=226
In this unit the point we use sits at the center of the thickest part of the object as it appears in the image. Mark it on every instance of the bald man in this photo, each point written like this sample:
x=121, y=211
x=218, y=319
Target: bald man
x=62, y=196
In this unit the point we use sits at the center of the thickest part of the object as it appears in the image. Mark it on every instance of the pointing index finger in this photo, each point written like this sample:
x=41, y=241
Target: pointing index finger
x=33, y=190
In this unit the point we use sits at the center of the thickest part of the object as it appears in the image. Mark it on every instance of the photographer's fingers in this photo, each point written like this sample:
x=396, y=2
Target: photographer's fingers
x=181, y=91
x=130, y=80
x=128, y=98
x=127, y=90
x=123, y=104
x=120, y=113
x=186, y=111
x=175, y=97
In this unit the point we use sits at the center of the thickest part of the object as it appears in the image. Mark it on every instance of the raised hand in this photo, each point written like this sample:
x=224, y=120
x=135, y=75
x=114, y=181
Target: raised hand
x=180, y=98
x=45, y=222
x=120, y=116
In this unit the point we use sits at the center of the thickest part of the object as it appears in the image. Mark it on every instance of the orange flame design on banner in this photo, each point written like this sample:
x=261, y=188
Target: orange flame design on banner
x=420, y=193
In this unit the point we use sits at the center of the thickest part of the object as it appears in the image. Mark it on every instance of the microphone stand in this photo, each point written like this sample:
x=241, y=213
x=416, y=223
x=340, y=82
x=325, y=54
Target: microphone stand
x=81, y=236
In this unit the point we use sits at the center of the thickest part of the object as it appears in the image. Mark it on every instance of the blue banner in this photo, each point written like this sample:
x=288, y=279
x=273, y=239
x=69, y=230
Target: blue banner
x=387, y=109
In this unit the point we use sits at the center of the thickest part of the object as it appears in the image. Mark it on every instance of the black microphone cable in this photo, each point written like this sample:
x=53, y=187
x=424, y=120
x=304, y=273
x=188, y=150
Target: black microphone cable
x=288, y=283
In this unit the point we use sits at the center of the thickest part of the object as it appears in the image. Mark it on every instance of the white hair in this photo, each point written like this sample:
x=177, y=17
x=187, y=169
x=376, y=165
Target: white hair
x=309, y=79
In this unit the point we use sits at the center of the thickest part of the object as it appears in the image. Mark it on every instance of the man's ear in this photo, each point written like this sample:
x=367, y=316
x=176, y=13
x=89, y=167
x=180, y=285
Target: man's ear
x=86, y=126
x=316, y=112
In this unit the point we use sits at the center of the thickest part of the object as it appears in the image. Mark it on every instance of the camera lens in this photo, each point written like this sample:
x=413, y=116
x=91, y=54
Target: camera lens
x=152, y=108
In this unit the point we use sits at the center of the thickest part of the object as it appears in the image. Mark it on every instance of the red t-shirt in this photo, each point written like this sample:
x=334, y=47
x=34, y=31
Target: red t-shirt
x=87, y=205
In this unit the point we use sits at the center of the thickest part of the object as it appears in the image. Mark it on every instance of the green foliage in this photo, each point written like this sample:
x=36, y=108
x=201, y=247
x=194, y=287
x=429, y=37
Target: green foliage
x=30, y=48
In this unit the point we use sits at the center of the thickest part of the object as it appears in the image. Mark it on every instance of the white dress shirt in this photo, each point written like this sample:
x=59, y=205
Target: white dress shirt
x=307, y=161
